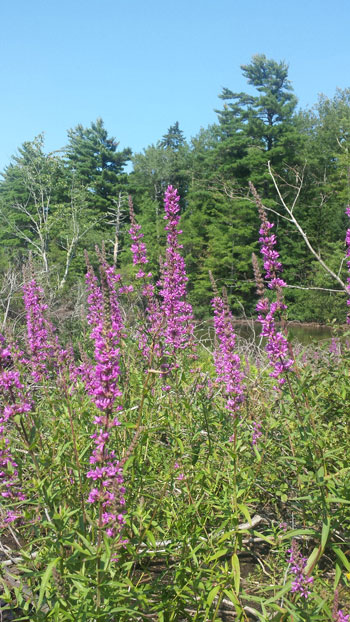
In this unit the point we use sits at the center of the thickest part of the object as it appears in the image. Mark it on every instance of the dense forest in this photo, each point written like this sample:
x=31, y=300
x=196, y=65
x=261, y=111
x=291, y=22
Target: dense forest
x=55, y=205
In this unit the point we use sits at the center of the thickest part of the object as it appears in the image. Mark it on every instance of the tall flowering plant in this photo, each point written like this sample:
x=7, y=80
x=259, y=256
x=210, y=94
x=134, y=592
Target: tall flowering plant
x=227, y=361
x=277, y=346
x=101, y=380
x=44, y=352
x=39, y=348
x=15, y=401
x=149, y=336
x=301, y=583
x=179, y=323
x=347, y=242
x=138, y=247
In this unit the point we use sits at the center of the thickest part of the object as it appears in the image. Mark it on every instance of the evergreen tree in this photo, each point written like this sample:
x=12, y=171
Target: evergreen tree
x=173, y=139
x=255, y=129
x=96, y=163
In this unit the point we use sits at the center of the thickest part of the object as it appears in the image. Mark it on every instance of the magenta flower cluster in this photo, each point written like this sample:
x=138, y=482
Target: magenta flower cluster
x=148, y=334
x=15, y=401
x=102, y=383
x=347, y=242
x=37, y=330
x=277, y=346
x=178, y=330
x=101, y=379
x=44, y=351
x=340, y=616
x=138, y=247
x=301, y=583
x=257, y=433
x=227, y=362
x=271, y=263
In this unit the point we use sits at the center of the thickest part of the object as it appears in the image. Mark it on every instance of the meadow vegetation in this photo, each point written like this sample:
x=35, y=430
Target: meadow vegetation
x=147, y=474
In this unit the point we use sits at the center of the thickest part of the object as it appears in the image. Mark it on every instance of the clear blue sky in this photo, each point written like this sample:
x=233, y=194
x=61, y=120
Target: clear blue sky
x=141, y=65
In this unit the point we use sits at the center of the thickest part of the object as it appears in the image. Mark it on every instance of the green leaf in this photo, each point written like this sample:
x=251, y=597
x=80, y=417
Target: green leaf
x=341, y=556
x=243, y=508
x=297, y=532
x=45, y=580
x=213, y=592
x=236, y=572
x=232, y=596
x=312, y=560
x=151, y=539
x=265, y=538
x=325, y=533
x=218, y=554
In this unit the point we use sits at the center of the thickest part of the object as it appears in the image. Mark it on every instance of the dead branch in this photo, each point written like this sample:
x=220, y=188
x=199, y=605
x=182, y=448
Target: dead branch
x=297, y=225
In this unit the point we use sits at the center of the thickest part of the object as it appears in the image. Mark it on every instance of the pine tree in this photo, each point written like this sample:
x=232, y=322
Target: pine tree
x=173, y=139
x=96, y=163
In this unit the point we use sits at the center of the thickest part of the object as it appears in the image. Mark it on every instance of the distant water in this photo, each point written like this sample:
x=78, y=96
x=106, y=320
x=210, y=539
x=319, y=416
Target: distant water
x=303, y=333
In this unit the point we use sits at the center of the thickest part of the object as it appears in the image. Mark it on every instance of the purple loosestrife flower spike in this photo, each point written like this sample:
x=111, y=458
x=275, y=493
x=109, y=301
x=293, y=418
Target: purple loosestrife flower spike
x=104, y=317
x=15, y=401
x=277, y=346
x=151, y=331
x=338, y=615
x=138, y=248
x=301, y=582
x=227, y=362
x=178, y=313
x=44, y=349
x=37, y=333
x=347, y=241
x=102, y=383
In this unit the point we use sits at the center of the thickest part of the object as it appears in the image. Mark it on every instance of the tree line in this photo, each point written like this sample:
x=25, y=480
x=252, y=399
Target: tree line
x=55, y=205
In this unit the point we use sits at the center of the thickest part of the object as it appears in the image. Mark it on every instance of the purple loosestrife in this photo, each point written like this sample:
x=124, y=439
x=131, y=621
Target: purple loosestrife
x=43, y=347
x=277, y=346
x=347, y=241
x=301, y=583
x=37, y=333
x=14, y=402
x=102, y=383
x=154, y=317
x=338, y=615
x=179, y=324
x=227, y=362
x=138, y=248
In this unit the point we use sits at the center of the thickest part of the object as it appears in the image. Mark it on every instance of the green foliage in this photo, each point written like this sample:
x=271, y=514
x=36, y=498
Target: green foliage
x=202, y=510
x=96, y=163
x=53, y=206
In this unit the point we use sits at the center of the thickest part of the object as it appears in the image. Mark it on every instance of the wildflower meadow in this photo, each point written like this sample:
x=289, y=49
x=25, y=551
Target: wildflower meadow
x=151, y=473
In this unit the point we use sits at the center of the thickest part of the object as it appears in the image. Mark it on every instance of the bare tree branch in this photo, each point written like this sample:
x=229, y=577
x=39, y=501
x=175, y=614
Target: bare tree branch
x=300, y=229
